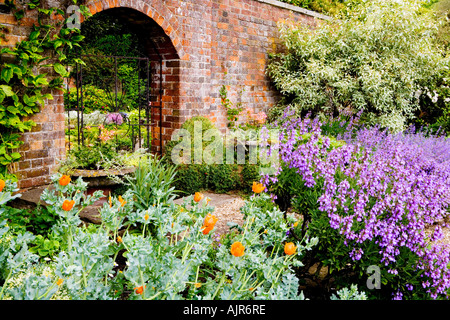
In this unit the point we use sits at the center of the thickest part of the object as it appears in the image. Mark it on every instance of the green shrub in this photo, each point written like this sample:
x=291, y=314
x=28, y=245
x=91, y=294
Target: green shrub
x=39, y=220
x=92, y=99
x=223, y=177
x=91, y=157
x=189, y=126
x=45, y=247
x=367, y=62
x=249, y=174
x=191, y=178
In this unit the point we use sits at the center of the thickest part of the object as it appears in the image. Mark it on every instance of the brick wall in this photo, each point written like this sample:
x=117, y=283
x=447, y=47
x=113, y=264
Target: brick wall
x=201, y=44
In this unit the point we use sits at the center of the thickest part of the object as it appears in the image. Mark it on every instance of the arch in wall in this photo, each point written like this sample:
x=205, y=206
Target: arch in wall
x=162, y=45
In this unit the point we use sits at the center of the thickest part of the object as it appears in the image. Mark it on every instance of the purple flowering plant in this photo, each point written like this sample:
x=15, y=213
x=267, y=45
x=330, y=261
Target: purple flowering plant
x=114, y=118
x=372, y=198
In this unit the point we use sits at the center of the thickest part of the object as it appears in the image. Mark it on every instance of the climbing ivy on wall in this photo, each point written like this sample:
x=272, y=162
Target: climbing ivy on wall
x=28, y=73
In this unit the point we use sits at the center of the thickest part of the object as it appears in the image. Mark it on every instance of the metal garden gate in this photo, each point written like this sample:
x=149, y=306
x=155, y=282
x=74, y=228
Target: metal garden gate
x=120, y=88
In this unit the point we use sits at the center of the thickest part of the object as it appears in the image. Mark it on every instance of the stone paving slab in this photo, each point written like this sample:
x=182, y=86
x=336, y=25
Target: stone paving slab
x=217, y=199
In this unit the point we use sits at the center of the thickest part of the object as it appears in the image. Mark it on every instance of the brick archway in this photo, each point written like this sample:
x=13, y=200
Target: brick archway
x=164, y=49
x=159, y=14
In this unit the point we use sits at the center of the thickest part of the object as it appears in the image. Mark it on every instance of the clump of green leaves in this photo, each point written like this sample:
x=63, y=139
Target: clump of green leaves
x=151, y=183
x=349, y=294
x=45, y=247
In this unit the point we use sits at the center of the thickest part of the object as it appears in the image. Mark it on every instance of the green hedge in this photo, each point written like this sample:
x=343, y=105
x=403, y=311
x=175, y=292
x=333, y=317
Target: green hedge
x=220, y=178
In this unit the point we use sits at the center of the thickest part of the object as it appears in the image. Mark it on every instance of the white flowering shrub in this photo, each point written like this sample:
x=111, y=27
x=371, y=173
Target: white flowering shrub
x=380, y=58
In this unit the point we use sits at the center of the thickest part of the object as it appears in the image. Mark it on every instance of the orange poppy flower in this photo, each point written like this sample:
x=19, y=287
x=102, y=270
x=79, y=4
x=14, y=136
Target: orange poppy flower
x=59, y=282
x=68, y=205
x=209, y=223
x=237, y=249
x=198, y=197
x=139, y=290
x=123, y=202
x=146, y=217
x=2, y=185
x=290, y=248
x=64, y=180
x=119, y=239
x=258, y=187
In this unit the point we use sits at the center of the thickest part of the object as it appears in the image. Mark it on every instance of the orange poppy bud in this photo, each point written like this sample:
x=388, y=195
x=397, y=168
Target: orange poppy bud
x=290, y=248
x=197, y=285
x=206, y=230
x=68, y=205
x=198, y=197
x=110, y=201
x=123, y=202
x=237, y=249
x=257, y=187
x=139, y=290
x=146, y=217
x=2, y=185
x=64, y=180
x=209, y=223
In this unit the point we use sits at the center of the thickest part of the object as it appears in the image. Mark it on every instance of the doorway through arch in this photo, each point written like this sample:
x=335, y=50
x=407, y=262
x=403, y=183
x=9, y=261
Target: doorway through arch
x=140, y=88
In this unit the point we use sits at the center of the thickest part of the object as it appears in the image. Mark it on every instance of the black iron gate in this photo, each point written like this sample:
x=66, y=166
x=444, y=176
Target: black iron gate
x=120, y=89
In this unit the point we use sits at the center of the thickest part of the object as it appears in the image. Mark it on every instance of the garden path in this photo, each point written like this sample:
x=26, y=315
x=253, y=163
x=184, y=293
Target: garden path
x=226, y=207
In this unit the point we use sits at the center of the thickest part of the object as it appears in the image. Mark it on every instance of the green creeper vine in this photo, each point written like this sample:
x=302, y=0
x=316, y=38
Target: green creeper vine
x=232, y=111
x=28, y=73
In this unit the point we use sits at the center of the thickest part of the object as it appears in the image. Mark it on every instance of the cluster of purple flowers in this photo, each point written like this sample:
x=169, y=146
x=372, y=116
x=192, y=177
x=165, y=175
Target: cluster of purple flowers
x=114, y=118
x=390, y=189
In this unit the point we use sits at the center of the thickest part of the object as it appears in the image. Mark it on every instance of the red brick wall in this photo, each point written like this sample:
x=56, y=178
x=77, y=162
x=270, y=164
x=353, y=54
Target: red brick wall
x=209, y=44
